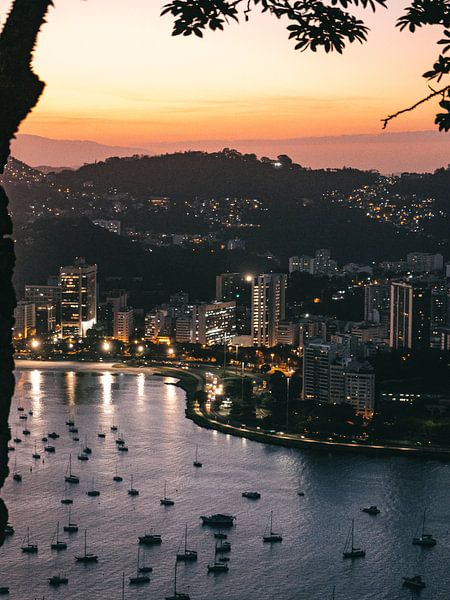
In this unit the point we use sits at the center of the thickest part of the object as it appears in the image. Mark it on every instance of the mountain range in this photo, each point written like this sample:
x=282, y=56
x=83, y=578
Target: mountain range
x=416, y=151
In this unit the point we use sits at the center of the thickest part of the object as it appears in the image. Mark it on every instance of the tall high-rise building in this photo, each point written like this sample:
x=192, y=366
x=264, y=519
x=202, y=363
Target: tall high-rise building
x=410, y=316
x=124, y=324
x=377, y=300
x=213, y=323
x=236, y=287
x=78, y=284
x=46, y=299
x=268, y=307
x=24, y=320
x=317, y=358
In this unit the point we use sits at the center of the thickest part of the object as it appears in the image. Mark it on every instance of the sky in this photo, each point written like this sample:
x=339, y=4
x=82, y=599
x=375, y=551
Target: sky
x=115, y=75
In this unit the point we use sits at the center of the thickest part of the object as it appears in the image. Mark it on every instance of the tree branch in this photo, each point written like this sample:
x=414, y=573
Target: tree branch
x=433, y=94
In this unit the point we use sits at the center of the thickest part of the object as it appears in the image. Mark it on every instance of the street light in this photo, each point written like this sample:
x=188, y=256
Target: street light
x=106, y=346
x=35, y=344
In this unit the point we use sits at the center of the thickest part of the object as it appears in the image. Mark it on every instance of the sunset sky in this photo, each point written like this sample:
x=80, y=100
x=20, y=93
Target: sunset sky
x=115, y=75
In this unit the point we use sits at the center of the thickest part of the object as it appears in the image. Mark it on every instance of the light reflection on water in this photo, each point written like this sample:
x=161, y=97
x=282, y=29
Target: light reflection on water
x=161, y=442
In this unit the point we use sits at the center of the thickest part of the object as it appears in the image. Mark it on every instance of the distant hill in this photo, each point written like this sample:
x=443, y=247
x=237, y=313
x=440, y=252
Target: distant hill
x=396, y=152
x=36, y=150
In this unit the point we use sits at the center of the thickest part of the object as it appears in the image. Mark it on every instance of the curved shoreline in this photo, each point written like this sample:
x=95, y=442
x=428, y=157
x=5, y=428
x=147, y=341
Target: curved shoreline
x=197, y=414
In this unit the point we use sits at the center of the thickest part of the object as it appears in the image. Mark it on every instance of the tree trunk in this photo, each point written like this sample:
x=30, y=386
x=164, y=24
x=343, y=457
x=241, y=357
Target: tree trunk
x=20, y=90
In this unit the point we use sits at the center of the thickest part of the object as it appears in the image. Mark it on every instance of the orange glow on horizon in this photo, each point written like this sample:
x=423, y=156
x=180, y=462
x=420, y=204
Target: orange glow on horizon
x=115, y=74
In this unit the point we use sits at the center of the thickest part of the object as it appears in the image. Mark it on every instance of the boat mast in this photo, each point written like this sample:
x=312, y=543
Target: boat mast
x=85, y=542
x=185, y=540
x=123, y=586
x=423, y=522
x=353, y=532
x=175, y=581
x=271, y=518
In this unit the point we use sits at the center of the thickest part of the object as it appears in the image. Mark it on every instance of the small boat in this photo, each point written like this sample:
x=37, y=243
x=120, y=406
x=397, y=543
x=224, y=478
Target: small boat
x=16, y=475
x=67, y=501
x=187, y=555
x=371, y=510
x=133, y=491
x=196, y=462
x=122, y=448
x=70, y=527
x=53, y=435
x=251, y=495
x=114, y=427
x=20, y=408
x=82, y=455
x=176, y=594
x=70, y=422
x=44, y=438
x=17, y=440
x=223, y=547
x=120, y=441
x=57, y=580
x=73, y=429
x=93, y=492
x=300, y=493
x=415, y=583
x=349, y=549
x=165, y=501
x=26, y=431
x=36, y=454
x=101, y=434
x=57, y=544
x=87, y=449
x=218, y=567
x=150, y=539
x=28, y=548
x=50, y=449
x=86, y=557
x=117, y=477
x=4, y=590
x=76, y=439
x=9, y=530
x=426, y=540
x=11, y=449
x=220, y=536
x=271, y=537
x=23, y=417
x=139, y=579
x=218, y=520
x=71, y=478
x=30, y=412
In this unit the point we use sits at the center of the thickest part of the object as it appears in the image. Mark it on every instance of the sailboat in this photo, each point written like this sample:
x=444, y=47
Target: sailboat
x=218, y=566
x=101, y=433
x=197, y=463
x=57, y=580
x=82, y=455
x=187, y=555
x=17, y=439
x=114, y=427
x=71, y=478
x=65, y=499
x=425, y=540
x=349, y=549
x=16, y=476
x=93, y=492
x=86, y=557
x=165, y=501
x=133, y=491
x=70, y=527
x=29, y=548
x=36, y=454
x=272, y=537
x=222, y=547
x=139, y=579
x=150, y=539
x=117, y=477
x=177, y=595
x=87, y=449
x=57, y=544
